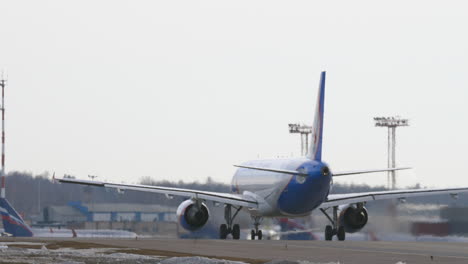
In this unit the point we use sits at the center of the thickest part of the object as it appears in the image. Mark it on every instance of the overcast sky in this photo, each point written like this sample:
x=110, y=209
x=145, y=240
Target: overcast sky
x=182, y=90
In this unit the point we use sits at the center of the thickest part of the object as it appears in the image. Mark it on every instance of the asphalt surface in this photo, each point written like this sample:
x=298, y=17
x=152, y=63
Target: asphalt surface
x=313, y=251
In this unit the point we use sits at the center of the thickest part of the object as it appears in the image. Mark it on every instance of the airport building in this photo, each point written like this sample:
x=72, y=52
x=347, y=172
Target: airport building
x=139, y=218
x=111, y=212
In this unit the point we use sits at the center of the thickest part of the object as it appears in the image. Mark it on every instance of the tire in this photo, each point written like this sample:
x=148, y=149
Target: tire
x=328, y=233
x=223, y=232
x=341, y=233
x=236, y=231
x=252, y=234
x=259, y=234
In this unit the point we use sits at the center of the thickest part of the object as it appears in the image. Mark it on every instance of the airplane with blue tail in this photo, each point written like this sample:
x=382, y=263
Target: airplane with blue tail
x=13, y=223
x=290, y=188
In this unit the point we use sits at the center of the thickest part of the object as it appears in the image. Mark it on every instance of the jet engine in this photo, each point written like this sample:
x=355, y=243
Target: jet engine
x=192, y=215
x=353, y=218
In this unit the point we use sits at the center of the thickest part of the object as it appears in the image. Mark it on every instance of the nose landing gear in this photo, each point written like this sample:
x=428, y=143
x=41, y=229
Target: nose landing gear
x=256, y=233
x=335, y=228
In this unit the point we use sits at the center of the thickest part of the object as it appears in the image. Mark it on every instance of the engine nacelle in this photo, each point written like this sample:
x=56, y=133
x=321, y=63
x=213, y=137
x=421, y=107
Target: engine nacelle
x=192, y=216
x=353, y=218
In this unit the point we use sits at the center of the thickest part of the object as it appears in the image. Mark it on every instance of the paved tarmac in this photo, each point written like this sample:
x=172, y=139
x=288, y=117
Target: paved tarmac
x=314, y=251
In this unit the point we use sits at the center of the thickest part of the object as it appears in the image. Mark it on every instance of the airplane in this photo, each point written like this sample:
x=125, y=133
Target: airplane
x=14, y=226
x=12, y=222
x=292, y=187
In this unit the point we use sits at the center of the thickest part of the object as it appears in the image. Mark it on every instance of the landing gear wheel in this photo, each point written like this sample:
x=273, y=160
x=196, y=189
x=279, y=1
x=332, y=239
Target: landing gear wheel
x=236, y=231
x=259, y=234
x=223, y=231
x=252, y=234
x=328, y=233
x=341, y=234
x=334, y=229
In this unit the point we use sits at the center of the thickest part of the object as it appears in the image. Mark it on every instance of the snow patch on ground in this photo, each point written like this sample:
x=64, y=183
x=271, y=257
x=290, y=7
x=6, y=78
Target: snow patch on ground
x=67, y=255
x=93, y=255
x=23, y=243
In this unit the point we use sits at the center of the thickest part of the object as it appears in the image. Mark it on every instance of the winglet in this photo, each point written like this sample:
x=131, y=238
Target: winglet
x=315, y=151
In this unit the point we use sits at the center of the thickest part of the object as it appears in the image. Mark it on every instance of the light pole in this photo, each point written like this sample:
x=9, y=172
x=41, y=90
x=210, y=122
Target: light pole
x=304, y=131
x=2, y=172
x=391, y=123
x=92, y=177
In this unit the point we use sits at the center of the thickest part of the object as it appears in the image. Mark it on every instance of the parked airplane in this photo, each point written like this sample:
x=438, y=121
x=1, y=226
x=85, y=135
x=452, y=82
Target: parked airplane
x=281, y=188
x=12, y=222
x=14, y=225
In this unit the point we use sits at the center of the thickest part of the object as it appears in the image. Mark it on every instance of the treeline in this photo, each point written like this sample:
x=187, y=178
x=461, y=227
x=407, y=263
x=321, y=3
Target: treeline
x=30, y=194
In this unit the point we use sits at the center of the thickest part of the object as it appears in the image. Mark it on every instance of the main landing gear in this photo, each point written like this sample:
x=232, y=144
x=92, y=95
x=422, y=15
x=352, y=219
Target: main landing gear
x=229, y=228
x=335, y=228
x=256, y=233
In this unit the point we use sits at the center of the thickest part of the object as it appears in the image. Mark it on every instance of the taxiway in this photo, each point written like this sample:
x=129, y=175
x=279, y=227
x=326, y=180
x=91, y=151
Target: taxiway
x=313, y=251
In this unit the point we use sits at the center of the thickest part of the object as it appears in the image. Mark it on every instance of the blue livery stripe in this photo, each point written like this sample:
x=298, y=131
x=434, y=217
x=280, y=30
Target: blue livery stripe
x=12, y=221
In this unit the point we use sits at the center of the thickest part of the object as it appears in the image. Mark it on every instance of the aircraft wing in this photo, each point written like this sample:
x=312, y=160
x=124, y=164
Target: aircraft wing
x=340, y=199
x=226, y=198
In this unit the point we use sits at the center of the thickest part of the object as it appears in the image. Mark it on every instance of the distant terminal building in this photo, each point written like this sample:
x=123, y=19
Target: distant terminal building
x=457, y=218
x=120, y=212
x=61, y=215
x=436, y=220
x=140, y=218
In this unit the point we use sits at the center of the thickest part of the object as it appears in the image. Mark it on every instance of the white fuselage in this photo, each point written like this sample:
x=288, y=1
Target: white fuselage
x=281, y=194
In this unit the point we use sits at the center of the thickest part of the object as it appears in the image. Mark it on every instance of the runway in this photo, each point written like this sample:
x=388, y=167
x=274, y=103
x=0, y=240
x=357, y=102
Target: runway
x=264, y=251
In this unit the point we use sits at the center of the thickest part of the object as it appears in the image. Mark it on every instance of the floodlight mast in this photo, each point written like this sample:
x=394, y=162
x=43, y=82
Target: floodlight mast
x=304, y=131
x=391, y=123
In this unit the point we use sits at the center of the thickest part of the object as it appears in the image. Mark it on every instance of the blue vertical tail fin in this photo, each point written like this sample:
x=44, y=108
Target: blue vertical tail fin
x=315, y=150
x=12, y=222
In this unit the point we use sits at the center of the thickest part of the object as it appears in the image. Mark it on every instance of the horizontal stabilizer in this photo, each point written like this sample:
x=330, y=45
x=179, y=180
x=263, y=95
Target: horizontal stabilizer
x=273, y=170
x=344, y=173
